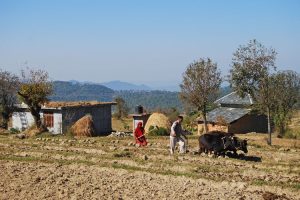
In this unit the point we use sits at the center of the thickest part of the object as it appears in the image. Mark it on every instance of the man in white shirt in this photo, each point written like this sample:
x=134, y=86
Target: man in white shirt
x=175, y=136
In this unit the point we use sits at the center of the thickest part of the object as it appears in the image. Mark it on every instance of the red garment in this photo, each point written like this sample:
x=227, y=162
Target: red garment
x=139, y=135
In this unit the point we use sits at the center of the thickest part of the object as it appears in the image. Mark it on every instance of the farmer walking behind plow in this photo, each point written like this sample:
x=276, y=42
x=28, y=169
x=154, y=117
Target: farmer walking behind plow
x=176, y=136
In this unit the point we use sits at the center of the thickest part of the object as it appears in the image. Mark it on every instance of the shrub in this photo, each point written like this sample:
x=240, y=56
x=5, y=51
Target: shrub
x=69, y=133
x=159, y=131
x=14, y=131
x=292, y=134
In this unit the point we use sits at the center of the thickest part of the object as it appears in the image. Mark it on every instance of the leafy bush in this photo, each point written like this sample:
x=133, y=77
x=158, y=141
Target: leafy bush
x=69, y=133
x=159, y=131
x=14, y=131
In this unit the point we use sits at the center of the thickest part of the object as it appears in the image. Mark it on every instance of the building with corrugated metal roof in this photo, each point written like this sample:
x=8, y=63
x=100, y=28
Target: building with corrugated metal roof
x=234, y=115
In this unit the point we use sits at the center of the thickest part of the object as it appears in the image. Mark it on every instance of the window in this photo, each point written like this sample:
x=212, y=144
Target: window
x=48, y=120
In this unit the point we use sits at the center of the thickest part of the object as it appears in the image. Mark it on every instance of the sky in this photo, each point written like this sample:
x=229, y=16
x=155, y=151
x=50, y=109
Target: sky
x=142, y=42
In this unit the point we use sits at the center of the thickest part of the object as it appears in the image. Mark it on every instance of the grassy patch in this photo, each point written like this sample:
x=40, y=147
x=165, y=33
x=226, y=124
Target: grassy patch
x=292, y=133
x=126, y=167
x=124, y=124
x=295, y=186
x=47, y=135
x=122, y=154
x=259, y=182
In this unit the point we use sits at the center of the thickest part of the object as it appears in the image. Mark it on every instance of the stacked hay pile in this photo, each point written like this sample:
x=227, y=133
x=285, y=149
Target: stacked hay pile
x=158, y=120
x=84, y=127
x=33, y=131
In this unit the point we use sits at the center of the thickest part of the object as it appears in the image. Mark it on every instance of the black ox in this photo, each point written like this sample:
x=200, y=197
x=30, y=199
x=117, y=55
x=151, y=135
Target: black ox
x=220, y=142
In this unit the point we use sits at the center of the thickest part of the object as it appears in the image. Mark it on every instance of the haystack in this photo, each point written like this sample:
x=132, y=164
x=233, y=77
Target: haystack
x=158, y=120
x=84, y=127
x=33, y=131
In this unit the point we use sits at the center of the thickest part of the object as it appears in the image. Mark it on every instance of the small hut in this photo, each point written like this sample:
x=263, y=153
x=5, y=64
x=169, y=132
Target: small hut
x=59, y=116
x=139, y=116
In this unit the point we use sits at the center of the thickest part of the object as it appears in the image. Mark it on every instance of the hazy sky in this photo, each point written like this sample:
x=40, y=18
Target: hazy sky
x=139, y=41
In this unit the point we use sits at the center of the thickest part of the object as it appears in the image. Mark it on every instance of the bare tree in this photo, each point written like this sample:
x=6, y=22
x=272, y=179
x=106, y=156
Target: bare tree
x=34, y=91
x=200, y=85
x=9, y=84
x=250, y=73
x=121, y=108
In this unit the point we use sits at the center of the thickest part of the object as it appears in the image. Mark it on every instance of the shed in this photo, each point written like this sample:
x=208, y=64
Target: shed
x=58, y=117
x=234, y=114
x=139, y=116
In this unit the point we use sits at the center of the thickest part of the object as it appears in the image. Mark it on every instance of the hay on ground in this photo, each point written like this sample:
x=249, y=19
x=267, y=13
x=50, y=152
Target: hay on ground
x=56, y=104
x=84, y=127
x=33, y=131
x=158, y=120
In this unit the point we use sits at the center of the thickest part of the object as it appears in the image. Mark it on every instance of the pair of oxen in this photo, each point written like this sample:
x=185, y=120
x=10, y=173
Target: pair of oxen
x=220, y=142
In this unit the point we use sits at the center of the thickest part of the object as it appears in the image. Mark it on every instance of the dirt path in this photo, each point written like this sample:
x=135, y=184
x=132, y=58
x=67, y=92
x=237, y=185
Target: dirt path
x=111, y=168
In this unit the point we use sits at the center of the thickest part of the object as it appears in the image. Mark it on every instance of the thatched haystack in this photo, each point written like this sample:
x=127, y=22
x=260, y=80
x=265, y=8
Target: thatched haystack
x=158, y=120
x=84, y=127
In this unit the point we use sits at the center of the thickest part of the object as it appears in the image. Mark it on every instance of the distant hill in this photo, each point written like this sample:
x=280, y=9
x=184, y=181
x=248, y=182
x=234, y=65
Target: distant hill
x=151, y=100
x=120, y=85
x=74, y=91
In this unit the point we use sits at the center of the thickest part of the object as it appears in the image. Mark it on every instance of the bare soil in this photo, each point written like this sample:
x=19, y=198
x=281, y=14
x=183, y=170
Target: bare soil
x=113, y=168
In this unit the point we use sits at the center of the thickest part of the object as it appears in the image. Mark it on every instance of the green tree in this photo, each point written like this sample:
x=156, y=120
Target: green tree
x=200, y=85
x=9, y=84
x=285, y=88
x=250, y=73
x=34, y=91
x=172, y=114
x=121, y=108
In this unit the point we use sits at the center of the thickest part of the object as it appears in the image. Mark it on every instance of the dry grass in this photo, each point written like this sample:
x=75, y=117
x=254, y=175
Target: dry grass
x=32, y=131
x=260, y=139
x=295, y=121
x=51, y=160
x=277, y=169
x=124, y=124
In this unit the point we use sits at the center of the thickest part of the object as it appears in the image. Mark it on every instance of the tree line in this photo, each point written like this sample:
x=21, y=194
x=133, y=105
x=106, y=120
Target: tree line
x=253, y=71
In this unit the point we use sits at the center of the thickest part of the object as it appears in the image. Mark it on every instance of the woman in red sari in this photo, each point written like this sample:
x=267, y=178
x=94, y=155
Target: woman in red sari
x=140, y=139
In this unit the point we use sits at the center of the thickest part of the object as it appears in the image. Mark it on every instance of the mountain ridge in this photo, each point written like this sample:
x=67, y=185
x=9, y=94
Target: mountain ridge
x=121, y=85
x=150, y=99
